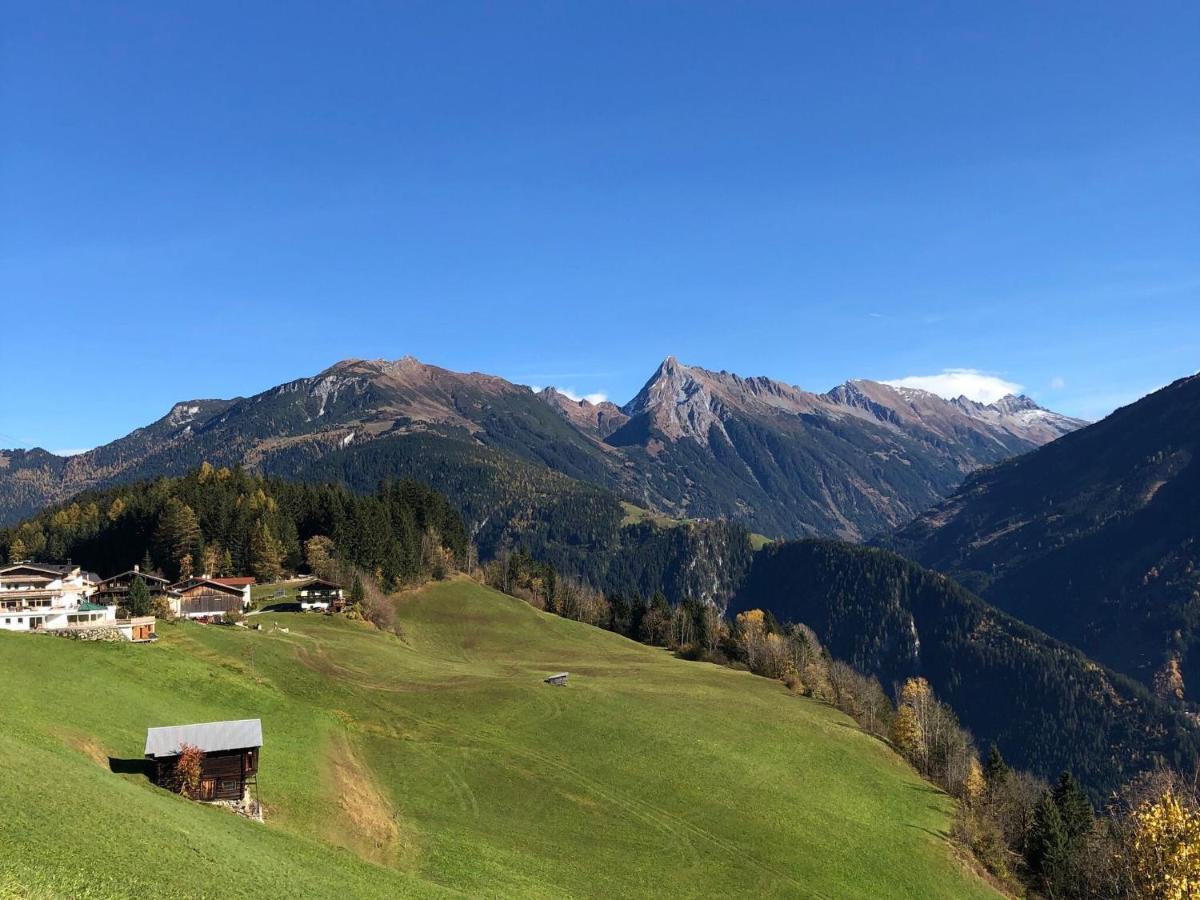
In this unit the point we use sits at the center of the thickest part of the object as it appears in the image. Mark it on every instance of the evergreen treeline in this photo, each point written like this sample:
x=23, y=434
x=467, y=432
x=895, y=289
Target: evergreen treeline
x=230, y=521
x=512, y=507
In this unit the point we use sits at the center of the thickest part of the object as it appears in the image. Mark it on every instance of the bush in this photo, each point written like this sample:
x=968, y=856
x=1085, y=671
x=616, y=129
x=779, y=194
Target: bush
x=187, y=770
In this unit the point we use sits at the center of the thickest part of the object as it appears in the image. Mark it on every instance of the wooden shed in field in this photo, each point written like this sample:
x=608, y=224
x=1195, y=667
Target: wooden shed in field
x=229, y=769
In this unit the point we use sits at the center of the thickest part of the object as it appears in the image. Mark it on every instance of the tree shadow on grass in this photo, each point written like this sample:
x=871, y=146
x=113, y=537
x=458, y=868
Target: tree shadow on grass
x=135, y=766
x=940, y=835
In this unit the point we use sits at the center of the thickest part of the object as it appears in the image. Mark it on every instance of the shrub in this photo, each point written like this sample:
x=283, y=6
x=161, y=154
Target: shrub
x=187, y=770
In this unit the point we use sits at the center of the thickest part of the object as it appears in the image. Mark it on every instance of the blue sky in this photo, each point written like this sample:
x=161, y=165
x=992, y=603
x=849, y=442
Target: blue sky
x=208, y=202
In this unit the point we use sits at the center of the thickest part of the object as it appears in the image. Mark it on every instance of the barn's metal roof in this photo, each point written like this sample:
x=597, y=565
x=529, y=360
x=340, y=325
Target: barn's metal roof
x=210, y=737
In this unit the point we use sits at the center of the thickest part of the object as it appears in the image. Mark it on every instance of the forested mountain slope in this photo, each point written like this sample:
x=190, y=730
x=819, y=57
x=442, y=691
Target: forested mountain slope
x=1044, y=703
x=237, y=522
x=1094, y=538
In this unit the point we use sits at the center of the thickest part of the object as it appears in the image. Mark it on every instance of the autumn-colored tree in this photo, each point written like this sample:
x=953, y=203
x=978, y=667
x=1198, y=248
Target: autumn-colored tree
x=975, y=784
x=906, y=731
x=116, y=509
x=160, y=607
x=917, y=696
x=1164, y=849
x=750, y=634
x=656, y=625
x=188, y=767
x=1168, y=681
x=16, y=551
x=212, y=559
x=319, y=556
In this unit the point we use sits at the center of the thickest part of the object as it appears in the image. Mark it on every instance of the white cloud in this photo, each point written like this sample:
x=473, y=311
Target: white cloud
x=1057, y=383
x=71, y=452
x=951, y=383
x=572, y=394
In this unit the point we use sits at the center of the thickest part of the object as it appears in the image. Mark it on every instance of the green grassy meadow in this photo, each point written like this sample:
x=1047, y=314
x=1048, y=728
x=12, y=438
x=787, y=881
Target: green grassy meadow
x=438, y=764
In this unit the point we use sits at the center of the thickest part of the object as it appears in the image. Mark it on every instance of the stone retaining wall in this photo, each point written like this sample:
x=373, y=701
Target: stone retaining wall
x=96, y=633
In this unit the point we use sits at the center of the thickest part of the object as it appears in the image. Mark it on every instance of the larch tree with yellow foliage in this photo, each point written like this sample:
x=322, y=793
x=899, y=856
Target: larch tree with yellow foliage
x=1164, y=849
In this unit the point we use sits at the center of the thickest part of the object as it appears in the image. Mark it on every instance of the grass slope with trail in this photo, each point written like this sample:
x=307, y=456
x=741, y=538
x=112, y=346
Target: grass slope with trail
x=438, y=764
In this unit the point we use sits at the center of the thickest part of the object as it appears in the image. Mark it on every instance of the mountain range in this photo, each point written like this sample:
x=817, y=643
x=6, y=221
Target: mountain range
x=860, y=459
x=1094, y=538
x=1078, y=543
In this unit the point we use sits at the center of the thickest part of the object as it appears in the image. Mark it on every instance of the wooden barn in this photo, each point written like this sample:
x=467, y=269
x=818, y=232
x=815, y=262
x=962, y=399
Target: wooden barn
x=208, y=599
x=230, y=766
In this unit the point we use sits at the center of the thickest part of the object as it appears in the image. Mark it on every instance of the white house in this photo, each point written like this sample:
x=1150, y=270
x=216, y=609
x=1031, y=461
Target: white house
x=44, y=597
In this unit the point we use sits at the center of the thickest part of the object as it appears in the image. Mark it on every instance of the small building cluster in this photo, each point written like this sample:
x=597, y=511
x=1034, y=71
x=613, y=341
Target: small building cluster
x=45, y=597
x=63, y=598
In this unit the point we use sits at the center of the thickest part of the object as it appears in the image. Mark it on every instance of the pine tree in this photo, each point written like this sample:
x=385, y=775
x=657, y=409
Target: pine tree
x=266, y=553
x=995, y=770
x=357, y=591
x=137, y=601
x=178, y=537
x=1048, y=850
x=1073, y=807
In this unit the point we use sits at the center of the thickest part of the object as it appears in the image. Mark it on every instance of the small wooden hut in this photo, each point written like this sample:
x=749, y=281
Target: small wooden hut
x=230, y=766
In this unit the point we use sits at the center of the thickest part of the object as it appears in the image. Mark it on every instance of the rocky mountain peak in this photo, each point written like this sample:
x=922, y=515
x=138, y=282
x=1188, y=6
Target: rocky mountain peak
x=677, y=402
x=597, y=419
x=1012, y=403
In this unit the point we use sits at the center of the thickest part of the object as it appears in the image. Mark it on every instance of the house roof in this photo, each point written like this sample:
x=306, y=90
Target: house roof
x=319, y=583
x=234, y=582
x=132, y=573
x=210, y=583
x=210, y=737
x=41, y=568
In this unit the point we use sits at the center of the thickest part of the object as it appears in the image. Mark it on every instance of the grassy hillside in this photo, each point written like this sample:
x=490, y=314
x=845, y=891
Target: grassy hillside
x=437, y=763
